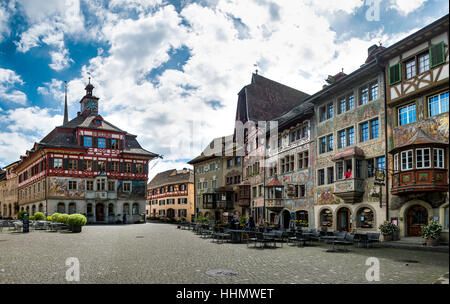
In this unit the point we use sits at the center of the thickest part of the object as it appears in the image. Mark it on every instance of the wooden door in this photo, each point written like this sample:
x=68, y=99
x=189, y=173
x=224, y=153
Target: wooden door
x=417, y=217
x=99, y=213
x=343, y=220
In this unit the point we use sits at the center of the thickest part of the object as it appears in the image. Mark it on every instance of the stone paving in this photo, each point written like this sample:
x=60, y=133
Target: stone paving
x=161, y=253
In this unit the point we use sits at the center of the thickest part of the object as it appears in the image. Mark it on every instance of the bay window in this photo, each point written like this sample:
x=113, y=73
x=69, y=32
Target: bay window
x=422, y=158
x=438, y=158
x=407, y=160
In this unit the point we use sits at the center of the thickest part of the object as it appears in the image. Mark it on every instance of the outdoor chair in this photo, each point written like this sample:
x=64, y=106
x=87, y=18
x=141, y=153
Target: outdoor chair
x=373, y=238
x=264, y=240
x=347, y=241
x=251, y=238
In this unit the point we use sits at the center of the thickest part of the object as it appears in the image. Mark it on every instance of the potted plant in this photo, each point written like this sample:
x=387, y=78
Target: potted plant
x=76, y=222
x=388, y=229
x=431, y=233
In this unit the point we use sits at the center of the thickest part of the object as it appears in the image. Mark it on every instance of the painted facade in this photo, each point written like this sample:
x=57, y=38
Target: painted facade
x=170, y=194
x=350, y=147
x=9, y=206
x=86, y=166
x=217, y=172
x=417, y=71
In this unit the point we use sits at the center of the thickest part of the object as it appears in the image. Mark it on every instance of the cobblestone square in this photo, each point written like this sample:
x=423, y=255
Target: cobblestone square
x=160, y=253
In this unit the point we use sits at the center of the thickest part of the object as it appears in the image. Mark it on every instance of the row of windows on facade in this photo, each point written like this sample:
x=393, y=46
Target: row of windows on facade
x=170, y=201
x=367, y=131
x=421, y=160
x=292, y=191
x=180, y=212
x=125, y=209
x=206, y=168
x=104, y=166
x=287, y=164
x=436, y=104
x=170, y=188
x=231, y=180
x=72, y=185
x=72, y=208
x=101, y=143
x=233, y=162
x=346, y=103
x=204, y=185
x=337, y=172
x=418, y=64
x=364, y=218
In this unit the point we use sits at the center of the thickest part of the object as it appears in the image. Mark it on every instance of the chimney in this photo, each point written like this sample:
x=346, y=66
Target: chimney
x=371, y=49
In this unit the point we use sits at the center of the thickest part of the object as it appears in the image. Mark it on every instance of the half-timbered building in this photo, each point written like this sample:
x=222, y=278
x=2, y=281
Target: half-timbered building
x=417, y=75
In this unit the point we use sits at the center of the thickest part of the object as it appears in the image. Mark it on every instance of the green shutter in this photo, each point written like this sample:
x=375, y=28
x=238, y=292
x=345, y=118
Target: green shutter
x=437, y=54
x=395, y=73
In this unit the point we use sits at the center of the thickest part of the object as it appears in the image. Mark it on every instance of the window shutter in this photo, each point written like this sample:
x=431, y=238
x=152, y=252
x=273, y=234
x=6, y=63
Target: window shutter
x=146, y=169
x=95, y=165
x=395, y=74
x=108, y=143
x=65, y=163
x=95, y=142
x=108, y=166
x=437, y=54
x=50, y=163
x=82, y=141
x=80, y=164
x=122, y=167
x=133, y=168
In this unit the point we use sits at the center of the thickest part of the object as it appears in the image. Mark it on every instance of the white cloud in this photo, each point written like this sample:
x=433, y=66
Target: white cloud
x=24, y=127
x=51, y=21
x=8, y=93
x=348, y=6
x=405, y=7
x=4, y=18
x=54, y=89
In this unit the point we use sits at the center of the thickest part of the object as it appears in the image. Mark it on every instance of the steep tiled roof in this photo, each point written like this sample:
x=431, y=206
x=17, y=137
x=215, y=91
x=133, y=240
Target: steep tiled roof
x=172, y=176
x=212, y=150
x=265, y=99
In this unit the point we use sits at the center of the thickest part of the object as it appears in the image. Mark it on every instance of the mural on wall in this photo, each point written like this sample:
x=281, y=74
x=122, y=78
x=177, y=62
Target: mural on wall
x=137, y=189
x=60, y=187
x=436, y=126
x=326, y=197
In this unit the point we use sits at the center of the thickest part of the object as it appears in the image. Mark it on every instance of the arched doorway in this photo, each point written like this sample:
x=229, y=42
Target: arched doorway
x=99, y=212
x=170, y=213
x=302, y=217
x=343, y=219
x=416, y=218
x=286, y=219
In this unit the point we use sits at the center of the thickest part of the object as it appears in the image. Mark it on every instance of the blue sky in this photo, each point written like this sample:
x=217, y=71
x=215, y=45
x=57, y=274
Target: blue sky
x=170, y=71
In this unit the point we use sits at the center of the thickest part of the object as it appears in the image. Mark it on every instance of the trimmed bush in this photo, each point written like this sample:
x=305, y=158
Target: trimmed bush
x=49, y=218
x=39, y=216
x=76, y=220
x=63, y=218
x=20, y=214
x=31, y=218
x=55, y=217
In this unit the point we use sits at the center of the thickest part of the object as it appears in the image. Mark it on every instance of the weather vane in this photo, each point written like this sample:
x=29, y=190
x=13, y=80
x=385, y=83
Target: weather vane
x=256, y=67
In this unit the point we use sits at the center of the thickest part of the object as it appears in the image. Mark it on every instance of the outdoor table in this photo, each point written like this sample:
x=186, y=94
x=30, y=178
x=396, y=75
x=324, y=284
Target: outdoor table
x=270, y=236
x=236, y=235
x=332, y=239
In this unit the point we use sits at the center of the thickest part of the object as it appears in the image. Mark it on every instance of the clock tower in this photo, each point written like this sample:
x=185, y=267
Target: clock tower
x=89, y=103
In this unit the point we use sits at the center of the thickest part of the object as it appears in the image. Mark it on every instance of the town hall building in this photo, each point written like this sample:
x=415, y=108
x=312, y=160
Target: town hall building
x=88, y=166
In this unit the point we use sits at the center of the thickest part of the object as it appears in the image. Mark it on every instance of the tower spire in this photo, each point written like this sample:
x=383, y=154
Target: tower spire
x=66, y=113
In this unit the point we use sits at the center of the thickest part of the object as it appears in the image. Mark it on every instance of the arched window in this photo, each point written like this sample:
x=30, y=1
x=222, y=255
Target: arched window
x=126, y=209
x=61, y=208
x=326, y=218
x=302, y=218
x=111, y=209
x=72, y=208
x=89, y=210
x=135, y=209
x=365, y=218
x=33, y=210
x=28, y=209
x=41, y=208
